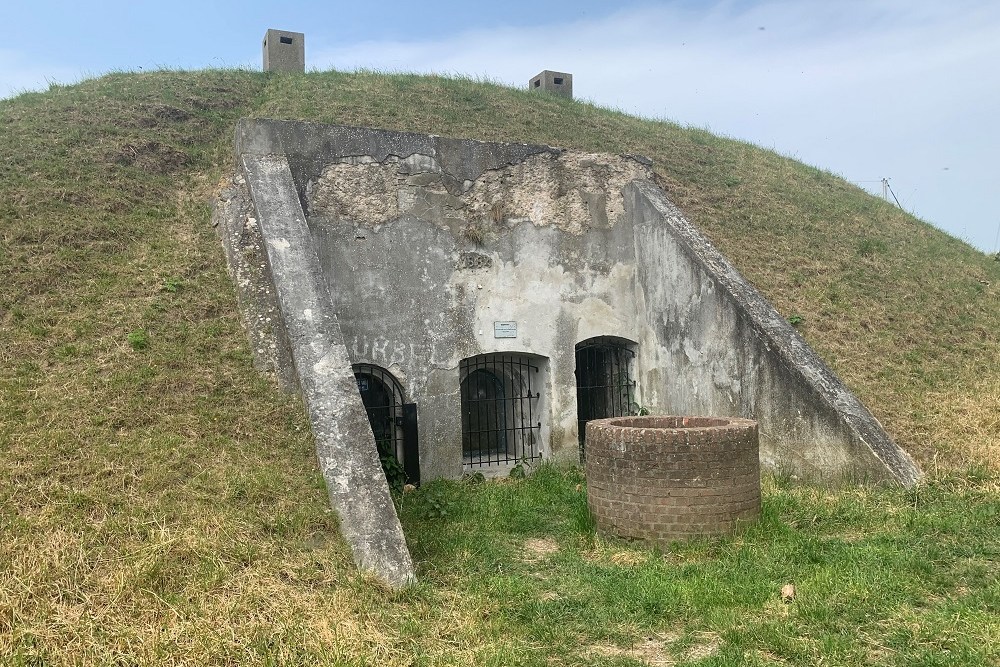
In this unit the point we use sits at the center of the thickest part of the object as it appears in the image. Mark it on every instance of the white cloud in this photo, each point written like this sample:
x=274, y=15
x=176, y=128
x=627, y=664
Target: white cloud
x=869, y=88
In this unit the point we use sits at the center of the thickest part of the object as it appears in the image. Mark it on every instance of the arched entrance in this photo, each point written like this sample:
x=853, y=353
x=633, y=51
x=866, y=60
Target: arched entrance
x=501, y=417
x=604, y=384
x=393, y=422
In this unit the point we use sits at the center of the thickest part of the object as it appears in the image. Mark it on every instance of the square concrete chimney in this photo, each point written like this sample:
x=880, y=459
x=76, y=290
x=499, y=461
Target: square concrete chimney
x=284, y=51
x=560, y=83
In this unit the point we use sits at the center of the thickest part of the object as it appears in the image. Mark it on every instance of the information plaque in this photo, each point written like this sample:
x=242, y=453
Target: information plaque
x=505, y=329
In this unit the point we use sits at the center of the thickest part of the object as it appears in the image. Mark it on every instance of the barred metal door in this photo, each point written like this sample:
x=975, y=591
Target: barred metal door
x=394, y=424
x=604, y=384
x=499, y=410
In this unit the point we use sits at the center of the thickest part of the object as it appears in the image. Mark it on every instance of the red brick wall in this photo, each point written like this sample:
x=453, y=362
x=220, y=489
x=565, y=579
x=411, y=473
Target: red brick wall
x=660, y=479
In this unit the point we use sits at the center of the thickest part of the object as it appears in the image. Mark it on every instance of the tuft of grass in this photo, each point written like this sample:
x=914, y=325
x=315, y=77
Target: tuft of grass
x=138, y=339
x=868, y=247
x=172, y=285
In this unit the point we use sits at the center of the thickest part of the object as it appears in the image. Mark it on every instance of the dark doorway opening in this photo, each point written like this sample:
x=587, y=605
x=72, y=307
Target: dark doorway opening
x=500, y=410
x=393, y=422
x=604, y=384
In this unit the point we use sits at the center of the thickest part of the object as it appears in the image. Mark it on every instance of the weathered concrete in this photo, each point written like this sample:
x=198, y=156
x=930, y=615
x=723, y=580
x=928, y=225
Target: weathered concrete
x=731, y=353
x=557, y=83
x=426, y=242
x=235, y=220
x=284, y=51
x=344, y=441
x=419, y=313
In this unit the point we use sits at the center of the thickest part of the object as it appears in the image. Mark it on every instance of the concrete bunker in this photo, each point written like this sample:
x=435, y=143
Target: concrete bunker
x=435, y=259
x=557, y=83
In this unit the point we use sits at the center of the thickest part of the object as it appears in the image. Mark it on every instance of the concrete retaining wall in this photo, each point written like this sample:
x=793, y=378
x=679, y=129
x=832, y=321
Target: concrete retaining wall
x=722, y=349
x=300, y=301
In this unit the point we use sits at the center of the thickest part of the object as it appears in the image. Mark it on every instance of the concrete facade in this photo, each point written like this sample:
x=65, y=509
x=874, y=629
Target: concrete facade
x=284, y=51
x=558, y=83
x=434, y=252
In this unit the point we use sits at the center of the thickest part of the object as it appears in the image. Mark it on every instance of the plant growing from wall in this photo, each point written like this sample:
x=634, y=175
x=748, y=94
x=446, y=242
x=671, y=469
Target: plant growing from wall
x=497, y=213
x=637, y=410
x=395, y=474
x=474, y=232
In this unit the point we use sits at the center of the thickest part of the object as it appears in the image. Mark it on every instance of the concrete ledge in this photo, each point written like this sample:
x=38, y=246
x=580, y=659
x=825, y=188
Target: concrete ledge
x=344, y=441
x=309, y=147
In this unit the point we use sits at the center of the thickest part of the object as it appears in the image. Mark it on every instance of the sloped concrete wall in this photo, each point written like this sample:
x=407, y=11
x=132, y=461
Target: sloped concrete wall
x=723, y=350
x=311, y=338
x=425, y=242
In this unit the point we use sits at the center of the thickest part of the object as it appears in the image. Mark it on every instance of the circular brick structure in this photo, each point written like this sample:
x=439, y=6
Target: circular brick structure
x=661, y=479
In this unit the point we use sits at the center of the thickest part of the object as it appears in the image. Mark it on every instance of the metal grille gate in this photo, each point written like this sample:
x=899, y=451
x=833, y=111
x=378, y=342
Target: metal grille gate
x=499, y=410
x=604, y=384
x=394, y=423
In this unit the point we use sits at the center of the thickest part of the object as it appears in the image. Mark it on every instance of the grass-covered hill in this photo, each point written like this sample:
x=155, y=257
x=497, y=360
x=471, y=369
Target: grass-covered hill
x=159, y=503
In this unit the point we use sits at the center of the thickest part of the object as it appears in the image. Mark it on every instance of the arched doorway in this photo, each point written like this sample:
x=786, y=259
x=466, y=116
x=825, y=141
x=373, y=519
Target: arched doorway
x=393, y=422
x=501, y=418
x=604, y=384
x=484, y=417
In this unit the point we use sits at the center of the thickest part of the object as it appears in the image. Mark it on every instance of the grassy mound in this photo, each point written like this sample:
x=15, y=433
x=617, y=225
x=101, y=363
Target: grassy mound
x=159, y=502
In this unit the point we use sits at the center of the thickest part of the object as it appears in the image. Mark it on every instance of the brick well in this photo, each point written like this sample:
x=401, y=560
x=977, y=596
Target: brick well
x=661, y=479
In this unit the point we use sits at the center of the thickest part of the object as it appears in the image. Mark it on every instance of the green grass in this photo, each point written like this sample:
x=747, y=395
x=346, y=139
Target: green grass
x=512, y=573
x=896, y=578
x=159, y=498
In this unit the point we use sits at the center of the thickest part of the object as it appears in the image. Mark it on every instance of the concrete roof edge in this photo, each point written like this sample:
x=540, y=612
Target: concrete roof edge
x=318, y=143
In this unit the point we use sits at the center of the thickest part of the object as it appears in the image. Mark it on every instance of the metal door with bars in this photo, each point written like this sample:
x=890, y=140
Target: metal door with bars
x=604, y=384
x=394, y=423
x=500, y=410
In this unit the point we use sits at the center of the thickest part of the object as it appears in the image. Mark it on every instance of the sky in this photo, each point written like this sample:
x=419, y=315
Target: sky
x=905, y=90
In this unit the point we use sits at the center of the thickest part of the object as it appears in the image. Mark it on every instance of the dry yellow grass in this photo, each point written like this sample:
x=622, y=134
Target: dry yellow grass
x=967, y=422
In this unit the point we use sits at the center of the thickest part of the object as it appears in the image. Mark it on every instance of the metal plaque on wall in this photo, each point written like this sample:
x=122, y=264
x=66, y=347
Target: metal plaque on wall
x=505, y=329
